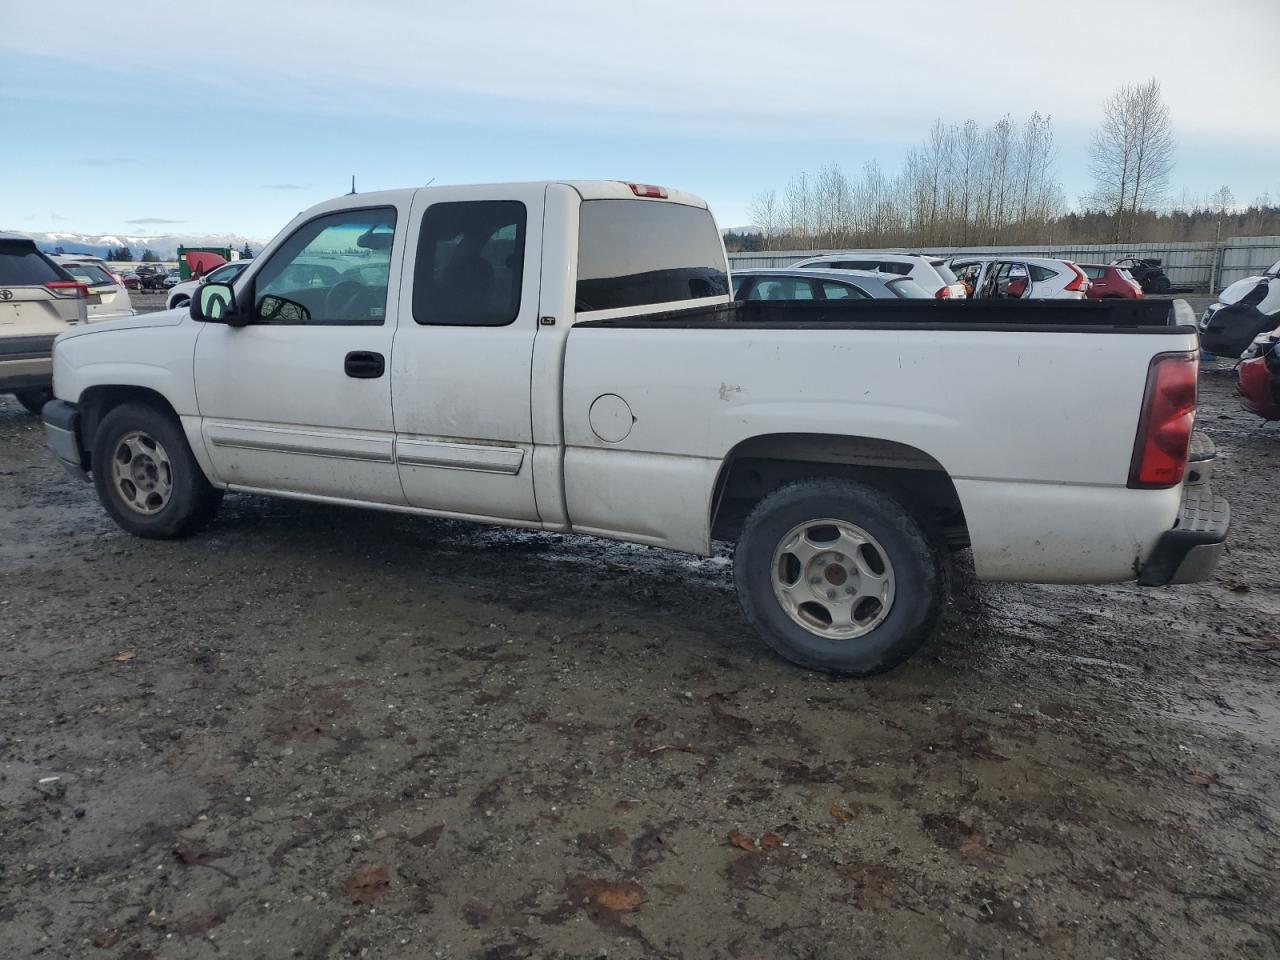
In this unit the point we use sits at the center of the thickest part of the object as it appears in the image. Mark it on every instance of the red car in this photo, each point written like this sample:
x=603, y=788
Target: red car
x=131, y=281
x=1109, y=281
x=1258, y=377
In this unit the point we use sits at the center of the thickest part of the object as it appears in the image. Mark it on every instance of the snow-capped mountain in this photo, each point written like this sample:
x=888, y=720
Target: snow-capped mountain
x=165, y=246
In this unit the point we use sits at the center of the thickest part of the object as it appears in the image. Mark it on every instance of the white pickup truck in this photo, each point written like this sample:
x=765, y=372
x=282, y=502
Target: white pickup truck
x=566, y=356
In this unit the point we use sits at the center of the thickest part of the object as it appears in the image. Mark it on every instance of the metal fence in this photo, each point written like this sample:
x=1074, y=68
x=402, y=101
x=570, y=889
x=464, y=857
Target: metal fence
x=1199, y=266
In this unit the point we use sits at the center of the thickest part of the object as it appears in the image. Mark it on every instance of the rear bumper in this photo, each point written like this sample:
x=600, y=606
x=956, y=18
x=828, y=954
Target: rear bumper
x=26, y=362
x=1189, y=552
x=62, y=434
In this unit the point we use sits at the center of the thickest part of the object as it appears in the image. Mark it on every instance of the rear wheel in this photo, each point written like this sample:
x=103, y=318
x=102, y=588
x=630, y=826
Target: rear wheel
x=839, y=576
x=147, y=477
x=34, y=400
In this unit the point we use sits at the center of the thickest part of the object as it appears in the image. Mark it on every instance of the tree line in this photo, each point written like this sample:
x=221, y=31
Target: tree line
x=969, y=185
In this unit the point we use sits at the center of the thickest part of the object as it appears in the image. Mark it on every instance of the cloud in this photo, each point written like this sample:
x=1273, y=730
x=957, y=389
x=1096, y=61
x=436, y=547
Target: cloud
x=147, y=220
x=56, y=216
x=283, y=186
x=109, y=161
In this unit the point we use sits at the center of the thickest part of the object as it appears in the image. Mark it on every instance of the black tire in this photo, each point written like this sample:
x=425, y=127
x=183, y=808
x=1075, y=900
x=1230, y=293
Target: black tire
x=35, y=399
x=1160, y=285
x=918, y=568
x=192, y=500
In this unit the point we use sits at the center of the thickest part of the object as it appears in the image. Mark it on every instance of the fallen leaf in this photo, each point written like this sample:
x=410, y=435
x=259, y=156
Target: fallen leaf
x=840, y=813
x=1201, y=778
x=604, y=899
x=367, y=884
x=770, y=841
x=620, y=897
x=742, y=841
x=124, y=656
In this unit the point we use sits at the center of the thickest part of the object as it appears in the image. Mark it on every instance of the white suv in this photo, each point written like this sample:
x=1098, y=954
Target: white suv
x=931, y=273
x=38, y=298
x=1020, y=278
x=105, y=286
x=181, y=293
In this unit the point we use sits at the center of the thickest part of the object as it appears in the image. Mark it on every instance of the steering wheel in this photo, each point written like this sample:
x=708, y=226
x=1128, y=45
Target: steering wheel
x=344, y=299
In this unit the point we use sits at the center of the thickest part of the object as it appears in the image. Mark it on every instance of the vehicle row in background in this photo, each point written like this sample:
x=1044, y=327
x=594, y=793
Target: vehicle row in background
x=1148, y=272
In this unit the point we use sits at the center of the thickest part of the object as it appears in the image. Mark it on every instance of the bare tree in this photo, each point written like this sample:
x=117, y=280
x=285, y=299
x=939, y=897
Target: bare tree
x=1132, y=154
x=766, y=213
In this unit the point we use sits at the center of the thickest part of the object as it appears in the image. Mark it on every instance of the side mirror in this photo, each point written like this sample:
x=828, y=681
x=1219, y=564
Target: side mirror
x=216, y=303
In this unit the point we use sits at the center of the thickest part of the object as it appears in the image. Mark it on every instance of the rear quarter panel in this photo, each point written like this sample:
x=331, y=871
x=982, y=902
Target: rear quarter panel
x=1036, y=430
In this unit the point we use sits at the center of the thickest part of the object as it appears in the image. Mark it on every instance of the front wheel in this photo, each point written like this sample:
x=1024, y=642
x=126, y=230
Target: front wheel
x=147, y=477
x=34, y=400
x=839, y=576
x=179, y=301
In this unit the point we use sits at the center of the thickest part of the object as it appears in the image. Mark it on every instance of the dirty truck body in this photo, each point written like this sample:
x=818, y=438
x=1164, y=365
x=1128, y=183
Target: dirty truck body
x=567, y=357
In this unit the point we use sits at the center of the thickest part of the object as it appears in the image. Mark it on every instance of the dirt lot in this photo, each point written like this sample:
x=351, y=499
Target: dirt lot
x=312, y=732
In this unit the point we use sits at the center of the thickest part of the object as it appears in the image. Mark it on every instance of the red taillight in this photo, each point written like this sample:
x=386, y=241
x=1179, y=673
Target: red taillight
x=1164, y=427
x=1080, y=283
x=944, y=293
x=648, y=190
x=70, y=289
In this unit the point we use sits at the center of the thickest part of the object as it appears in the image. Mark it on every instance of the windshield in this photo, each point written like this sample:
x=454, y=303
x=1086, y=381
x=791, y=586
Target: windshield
x=908, y=289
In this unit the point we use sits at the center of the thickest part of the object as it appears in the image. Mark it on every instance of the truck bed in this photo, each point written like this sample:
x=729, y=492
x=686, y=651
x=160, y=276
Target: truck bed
x=1061, y=316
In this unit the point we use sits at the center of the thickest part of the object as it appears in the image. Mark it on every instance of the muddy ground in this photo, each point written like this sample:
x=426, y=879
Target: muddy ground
x=313, y=732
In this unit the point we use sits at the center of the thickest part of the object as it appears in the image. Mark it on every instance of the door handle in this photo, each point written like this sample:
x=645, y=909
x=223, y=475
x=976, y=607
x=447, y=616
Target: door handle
x=364, y=364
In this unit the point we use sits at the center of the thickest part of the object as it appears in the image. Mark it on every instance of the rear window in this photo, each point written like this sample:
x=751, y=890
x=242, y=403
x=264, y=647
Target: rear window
x=1039, y=273
x=944, y=271
x=89, y=273
x=895, y=266
x=1096, y=273
x=22, y=265
x=637, y=252
x=908, y=289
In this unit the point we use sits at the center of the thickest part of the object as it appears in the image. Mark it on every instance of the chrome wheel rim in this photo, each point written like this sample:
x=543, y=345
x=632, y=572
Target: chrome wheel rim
x=141, y=473
x=833, y=578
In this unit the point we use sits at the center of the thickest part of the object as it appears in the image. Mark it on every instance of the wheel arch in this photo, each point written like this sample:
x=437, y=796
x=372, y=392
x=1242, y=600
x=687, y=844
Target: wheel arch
x=759, y=465
x=97, y=401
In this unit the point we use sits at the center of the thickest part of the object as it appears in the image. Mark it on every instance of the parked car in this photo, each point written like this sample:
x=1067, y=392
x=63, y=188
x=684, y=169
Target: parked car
x=603, y=356
x=108, y=290
x=1147, y=271
x=1258, y=376
x=812, y=284
x=131, y=281
x=1107, y=282
x=1021, y=278
x=1243, y=310
x=931, y=273
x=171, y=279
x=38, y=299
x=180, y=294
x=151, y=276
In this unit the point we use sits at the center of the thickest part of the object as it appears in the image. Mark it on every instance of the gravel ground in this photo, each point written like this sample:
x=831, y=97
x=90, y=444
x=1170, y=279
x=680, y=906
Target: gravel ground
x=314, y=732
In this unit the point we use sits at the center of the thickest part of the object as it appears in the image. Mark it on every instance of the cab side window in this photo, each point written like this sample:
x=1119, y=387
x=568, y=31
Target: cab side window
x=470, y=263
x=333, y=270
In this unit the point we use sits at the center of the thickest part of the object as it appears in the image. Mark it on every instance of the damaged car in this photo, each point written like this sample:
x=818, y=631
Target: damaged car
x=1244, y=310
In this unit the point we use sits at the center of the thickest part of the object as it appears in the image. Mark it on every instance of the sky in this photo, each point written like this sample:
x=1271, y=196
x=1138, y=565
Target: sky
x=234, y=120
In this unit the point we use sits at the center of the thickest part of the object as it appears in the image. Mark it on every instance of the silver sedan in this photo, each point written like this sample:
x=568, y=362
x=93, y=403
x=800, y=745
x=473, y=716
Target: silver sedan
x=789, y=283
